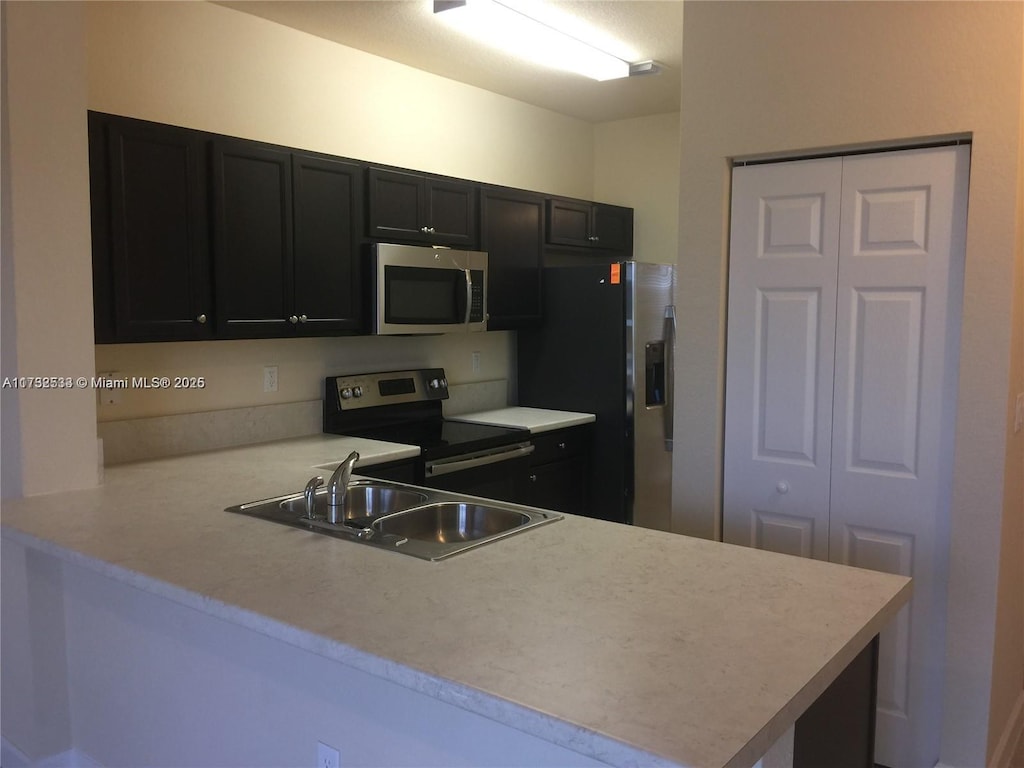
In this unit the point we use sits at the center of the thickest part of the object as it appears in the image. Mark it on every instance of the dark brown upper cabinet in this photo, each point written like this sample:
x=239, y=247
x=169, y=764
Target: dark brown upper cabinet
x=512, y=233
x=252, y=239
x=583, y=224
x=285, y=241
x=150, y=235
x=328, y=203
x=414, y=208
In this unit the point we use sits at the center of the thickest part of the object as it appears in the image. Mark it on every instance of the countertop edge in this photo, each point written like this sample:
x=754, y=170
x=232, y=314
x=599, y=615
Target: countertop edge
x=762, y=741
x=542, y=725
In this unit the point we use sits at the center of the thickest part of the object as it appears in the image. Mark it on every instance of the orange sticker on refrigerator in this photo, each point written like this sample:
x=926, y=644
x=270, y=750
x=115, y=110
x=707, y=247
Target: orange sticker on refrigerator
x=614, y=277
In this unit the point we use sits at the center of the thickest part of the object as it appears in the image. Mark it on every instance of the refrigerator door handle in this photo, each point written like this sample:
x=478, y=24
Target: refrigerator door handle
x=670, y=342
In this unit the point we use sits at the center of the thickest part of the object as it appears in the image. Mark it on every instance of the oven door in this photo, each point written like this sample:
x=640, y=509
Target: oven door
x=429, y=290
x=498, y=473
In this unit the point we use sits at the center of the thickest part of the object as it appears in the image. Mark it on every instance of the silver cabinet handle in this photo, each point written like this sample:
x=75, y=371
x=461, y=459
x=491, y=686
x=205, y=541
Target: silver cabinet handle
x=293, y=319
x=424, y=230
x=561, y=446
x=303, y=319
x=782, y=486
x=201, y=319
x=533, y=478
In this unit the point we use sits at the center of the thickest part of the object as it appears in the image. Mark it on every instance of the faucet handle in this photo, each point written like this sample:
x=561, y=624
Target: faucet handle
x=310, y=494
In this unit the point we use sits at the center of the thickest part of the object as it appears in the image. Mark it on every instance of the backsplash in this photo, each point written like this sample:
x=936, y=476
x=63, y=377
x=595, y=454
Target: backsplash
x=173, y=435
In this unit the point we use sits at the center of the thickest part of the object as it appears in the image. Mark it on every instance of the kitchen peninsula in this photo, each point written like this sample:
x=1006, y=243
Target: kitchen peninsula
x=173, y=633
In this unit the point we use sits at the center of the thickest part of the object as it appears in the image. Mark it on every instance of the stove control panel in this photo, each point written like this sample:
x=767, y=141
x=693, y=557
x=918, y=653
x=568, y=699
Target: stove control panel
x=368, y=390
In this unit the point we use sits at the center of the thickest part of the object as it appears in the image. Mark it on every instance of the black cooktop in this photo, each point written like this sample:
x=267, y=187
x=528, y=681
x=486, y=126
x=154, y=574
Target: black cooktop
x=440, y=439
x=405, y=407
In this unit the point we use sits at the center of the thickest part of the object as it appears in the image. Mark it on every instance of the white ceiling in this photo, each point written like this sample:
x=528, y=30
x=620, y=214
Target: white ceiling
x=406, y=31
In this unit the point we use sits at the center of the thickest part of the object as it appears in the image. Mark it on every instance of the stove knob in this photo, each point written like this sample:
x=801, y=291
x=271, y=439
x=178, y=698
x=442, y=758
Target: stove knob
x=346, y=393
x=357, y=391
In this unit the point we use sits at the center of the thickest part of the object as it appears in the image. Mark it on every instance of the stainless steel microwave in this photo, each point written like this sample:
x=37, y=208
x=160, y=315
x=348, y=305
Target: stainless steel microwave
x=419, y=289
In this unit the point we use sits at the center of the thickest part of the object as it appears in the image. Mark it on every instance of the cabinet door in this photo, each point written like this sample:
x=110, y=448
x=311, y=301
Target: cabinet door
x=560, y=470
x=783, y=261
x=396, y=205
x=327, y=265
x=569, y=223
x=613, y=229
x=252, y=239
x=513, y=236
x=559, y=485
x=149, y=231
x=451, y=217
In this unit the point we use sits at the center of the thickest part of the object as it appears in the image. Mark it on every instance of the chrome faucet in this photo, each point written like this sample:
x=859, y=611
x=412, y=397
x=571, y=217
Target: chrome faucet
x=337, y=487
x=310, y=495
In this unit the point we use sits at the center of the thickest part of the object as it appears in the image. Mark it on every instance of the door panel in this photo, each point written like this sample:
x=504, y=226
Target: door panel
x=782, y=291
x=786, y=348
x=900, y=288
x=885, y=383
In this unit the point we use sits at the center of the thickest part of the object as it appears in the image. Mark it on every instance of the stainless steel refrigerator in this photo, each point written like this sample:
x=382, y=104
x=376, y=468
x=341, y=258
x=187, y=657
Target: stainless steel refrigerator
x=605, y=348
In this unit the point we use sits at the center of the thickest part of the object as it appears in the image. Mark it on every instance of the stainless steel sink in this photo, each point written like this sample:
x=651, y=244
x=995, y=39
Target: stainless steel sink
x=363, y=502
x=452, y=522
x=425, y=523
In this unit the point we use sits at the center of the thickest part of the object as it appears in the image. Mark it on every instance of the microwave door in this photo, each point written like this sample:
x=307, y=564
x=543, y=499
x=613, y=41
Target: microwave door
x=422, y=300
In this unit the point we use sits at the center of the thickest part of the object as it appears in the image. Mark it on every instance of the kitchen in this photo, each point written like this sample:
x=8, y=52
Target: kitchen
x=135, y=66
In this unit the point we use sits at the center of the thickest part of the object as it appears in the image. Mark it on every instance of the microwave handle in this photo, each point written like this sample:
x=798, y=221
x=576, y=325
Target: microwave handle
x=469, y=296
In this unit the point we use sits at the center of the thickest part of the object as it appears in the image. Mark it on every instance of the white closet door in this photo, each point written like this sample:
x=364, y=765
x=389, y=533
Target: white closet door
x=900, y=291
x=781, y=337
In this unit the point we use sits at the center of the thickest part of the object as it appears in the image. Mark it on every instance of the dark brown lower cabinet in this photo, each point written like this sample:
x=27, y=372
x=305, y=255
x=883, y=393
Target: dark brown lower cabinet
x=838, y=730
x=559, y=470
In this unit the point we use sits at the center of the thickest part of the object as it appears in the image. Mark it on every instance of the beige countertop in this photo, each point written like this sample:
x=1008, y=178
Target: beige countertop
x=629, y=645
x=534, y=419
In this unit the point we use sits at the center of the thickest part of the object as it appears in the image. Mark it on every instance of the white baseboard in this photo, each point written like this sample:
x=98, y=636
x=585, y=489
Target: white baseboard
x=12, y=757
x=1010, y=738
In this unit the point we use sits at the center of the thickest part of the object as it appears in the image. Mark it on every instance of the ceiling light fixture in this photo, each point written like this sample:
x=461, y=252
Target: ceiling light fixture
x=507, y=25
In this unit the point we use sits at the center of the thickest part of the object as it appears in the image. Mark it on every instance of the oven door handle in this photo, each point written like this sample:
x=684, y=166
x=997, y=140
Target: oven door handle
x=445, y=467
x=469, y=296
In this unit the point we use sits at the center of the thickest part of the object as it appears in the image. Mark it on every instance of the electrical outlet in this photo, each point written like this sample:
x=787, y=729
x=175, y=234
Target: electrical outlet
x=270, y=378
x=109, y=389
x=327, y=756
x=1018, y=417
x=475, y=358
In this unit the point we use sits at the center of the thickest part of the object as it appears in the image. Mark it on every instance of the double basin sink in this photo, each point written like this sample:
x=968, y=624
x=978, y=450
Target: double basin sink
x=425, y=523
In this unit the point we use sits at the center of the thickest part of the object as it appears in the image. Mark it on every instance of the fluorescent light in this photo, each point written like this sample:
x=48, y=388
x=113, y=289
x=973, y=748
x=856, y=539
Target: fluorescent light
x=507, y=25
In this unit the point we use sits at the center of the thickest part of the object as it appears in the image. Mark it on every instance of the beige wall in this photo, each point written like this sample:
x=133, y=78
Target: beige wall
x=1008, y=661
x=209, y=67
x=46, y=252
x=636, y=164
x=765, y=77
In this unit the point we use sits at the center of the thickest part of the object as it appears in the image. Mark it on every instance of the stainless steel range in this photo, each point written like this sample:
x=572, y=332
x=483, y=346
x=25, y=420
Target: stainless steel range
x=405, y=407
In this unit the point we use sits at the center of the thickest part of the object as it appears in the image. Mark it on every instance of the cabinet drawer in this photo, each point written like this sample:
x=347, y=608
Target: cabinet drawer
x=559, y=444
